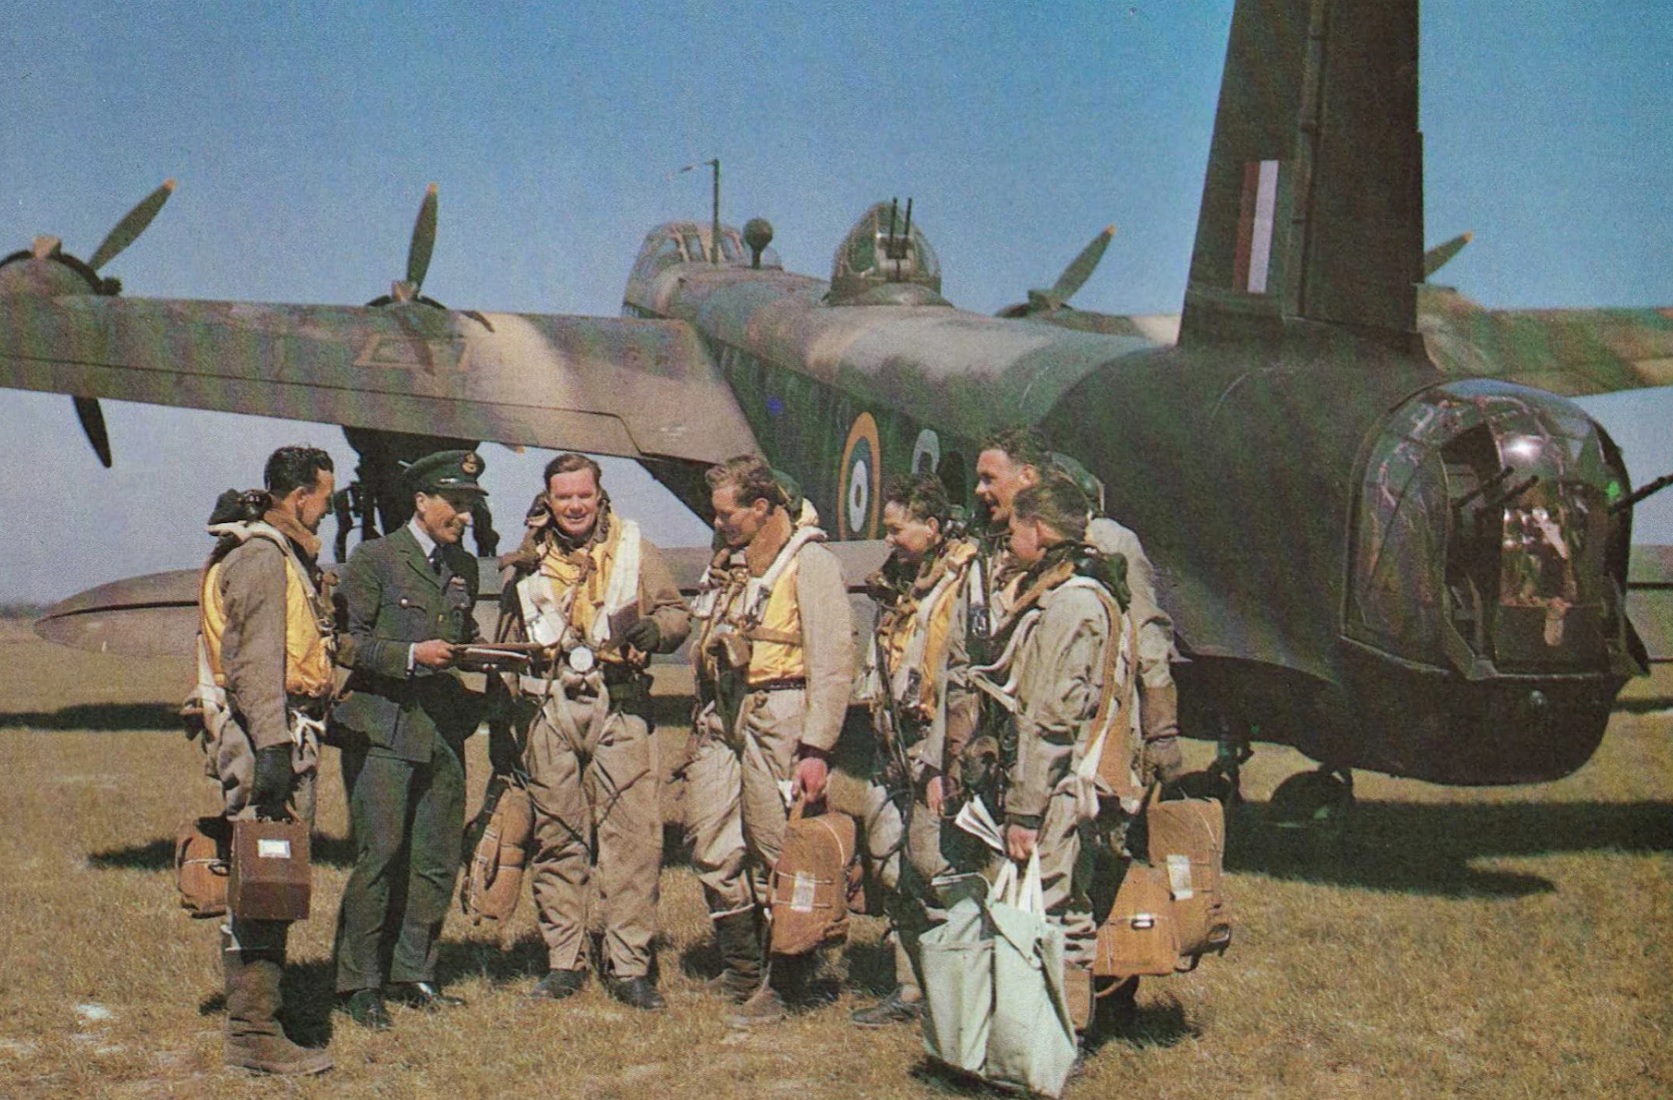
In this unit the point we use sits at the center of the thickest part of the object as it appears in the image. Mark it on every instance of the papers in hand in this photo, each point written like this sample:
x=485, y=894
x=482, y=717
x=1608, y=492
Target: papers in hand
x=492, y=658
x=975, y=819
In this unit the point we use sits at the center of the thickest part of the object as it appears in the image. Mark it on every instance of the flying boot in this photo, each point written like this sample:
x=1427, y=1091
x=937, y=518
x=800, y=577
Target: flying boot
x=254, y=1038
x=787, y=984
x=739, y=940
x=906, y=1002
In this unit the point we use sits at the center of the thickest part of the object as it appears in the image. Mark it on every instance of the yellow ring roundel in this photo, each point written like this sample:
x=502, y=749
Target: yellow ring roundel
x=861, y=479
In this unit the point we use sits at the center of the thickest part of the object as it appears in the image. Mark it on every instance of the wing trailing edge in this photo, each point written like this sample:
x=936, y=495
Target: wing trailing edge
x=611, y=386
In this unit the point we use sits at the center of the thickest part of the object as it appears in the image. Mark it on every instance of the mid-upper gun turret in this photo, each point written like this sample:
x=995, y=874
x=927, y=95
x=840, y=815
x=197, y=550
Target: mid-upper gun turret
x=885, y=260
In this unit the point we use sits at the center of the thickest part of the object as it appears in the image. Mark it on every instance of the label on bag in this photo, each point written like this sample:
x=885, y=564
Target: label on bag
x=801, y=896
x=273, y=849
x=1179, y=877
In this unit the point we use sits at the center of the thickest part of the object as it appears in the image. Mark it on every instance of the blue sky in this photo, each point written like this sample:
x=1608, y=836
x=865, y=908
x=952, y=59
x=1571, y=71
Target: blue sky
x=303, y=135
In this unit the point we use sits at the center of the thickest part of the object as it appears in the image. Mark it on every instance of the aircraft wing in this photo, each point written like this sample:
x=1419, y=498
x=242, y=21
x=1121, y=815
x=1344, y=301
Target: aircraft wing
x=611, y=386
x=1573, y=352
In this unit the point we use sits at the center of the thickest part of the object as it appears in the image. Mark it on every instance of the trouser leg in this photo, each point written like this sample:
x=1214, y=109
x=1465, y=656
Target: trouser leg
x=628, y=822
x=378, y=795
x=562, y=833
x=771, y=724
x=910, y=865
x=437, y=817
x=1065, y=865
x=714, y=819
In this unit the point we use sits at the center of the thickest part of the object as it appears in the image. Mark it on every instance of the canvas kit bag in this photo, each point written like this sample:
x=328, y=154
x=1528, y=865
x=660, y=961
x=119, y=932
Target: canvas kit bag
x=1170, y=908
x=810, y=886
x=498, y=843
x=201, y=865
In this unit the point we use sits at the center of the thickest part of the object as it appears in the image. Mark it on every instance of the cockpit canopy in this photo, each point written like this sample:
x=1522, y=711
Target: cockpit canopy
x=884, y=261
x=690, y=242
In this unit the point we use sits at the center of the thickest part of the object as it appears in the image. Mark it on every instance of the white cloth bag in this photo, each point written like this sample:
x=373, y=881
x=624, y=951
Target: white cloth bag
x=993, y=988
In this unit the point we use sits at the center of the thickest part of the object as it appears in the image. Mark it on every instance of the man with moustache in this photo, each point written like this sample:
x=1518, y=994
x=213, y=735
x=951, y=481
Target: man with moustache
x=265, y=680
x=774, y=659
x=408, y=599
x=591, y=589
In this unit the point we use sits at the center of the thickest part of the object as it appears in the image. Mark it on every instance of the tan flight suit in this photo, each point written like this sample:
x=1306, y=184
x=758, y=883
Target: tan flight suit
x=1060, y=668
x=590, y=755
x=1158, y=698
x=918, y=656
x=792, y=694
x=265, y=672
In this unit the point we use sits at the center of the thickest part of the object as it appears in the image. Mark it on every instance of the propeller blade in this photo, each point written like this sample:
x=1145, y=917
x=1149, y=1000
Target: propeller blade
x=130, y=227
x=423, y=241
x=93, y=423
x=1081, y=267
x=1437, y=257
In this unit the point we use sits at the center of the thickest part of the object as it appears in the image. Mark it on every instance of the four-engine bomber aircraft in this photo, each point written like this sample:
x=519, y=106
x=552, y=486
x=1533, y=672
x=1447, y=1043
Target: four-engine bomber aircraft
x=1369, y=554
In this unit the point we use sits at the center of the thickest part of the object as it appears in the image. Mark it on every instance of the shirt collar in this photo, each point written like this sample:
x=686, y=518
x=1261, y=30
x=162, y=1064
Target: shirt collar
x=425, y=542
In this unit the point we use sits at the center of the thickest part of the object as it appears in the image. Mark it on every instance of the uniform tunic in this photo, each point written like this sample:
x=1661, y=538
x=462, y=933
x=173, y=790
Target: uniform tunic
x=403, y=755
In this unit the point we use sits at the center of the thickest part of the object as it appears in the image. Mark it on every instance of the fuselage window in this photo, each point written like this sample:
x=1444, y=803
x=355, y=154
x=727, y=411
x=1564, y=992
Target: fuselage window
x=694, y=250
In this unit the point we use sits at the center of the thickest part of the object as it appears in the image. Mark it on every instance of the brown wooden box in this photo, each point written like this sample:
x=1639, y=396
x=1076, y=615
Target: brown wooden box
x=271, y=877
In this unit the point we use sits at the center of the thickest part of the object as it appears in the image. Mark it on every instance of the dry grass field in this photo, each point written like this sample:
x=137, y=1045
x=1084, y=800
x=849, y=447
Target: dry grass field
x=1499, y=943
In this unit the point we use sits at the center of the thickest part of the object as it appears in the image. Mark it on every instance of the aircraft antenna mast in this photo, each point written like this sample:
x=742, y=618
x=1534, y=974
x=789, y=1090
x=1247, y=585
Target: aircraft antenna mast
x=714, y=224
x=714, y=227
x=905, y=239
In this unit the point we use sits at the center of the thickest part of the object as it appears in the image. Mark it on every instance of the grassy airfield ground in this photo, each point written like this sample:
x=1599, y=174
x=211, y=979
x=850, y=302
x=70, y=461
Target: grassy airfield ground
x=1497, y=943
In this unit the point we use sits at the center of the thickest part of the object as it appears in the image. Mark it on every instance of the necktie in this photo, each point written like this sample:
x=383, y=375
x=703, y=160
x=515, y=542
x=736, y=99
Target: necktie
x=435, y=559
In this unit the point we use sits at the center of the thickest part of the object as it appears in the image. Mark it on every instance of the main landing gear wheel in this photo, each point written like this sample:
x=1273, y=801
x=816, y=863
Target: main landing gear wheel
x=1319, y=800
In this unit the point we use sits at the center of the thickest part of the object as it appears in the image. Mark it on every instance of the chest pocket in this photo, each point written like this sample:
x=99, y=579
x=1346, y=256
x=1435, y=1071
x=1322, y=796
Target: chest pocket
x=411, y=618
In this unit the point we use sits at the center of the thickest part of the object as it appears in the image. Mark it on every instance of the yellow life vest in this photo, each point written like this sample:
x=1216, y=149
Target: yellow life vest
x=310, y=645
x=585, y=571
x=776, y=642
x=915, y=634
x=730, y=599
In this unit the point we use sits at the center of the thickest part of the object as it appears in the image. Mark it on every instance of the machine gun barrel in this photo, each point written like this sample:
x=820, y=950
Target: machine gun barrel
x=1643, y=491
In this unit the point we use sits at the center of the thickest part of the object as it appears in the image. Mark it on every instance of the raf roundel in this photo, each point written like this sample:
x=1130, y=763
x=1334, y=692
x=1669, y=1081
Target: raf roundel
x=861, y=476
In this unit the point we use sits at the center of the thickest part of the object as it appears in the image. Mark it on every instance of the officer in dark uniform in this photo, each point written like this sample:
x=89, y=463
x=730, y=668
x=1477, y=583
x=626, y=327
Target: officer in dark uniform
x=408, y=598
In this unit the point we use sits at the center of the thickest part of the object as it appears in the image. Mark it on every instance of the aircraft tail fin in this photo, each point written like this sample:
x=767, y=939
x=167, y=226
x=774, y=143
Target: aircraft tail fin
x=1312, y=205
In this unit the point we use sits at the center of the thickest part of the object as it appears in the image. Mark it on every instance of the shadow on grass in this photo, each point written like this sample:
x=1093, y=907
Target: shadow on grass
x=158, y=855
x=870, y=967
x=521, y=962
x=98, y=718
x=310, y=988
x=1412, y=847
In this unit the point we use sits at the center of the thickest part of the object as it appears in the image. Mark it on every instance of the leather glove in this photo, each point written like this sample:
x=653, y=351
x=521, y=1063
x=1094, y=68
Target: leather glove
x=644, y=635
x=1162, y=760
x=503, y=756
x=270, y=789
